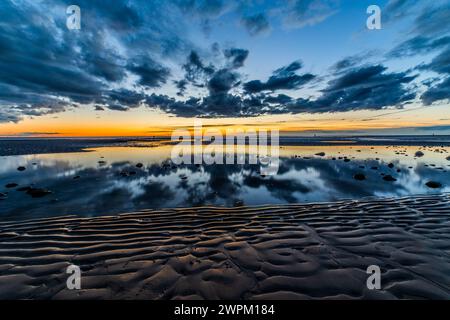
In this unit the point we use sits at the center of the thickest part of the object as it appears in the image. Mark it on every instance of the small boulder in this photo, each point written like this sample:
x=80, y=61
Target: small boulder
x=391, y=165
x=320, y=154
x=139, y=165
x=11, y=185
x=433, y=184
x=38, y=192
x=419, y=154
x=389, y=178
x=359, y=177
x=21, y=168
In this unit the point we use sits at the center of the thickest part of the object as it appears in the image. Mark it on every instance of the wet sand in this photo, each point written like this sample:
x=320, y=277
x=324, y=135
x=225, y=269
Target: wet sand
x=309, y=251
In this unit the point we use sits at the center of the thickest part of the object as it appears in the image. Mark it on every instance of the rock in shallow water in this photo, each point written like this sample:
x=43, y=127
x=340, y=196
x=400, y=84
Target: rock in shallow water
x=21, y=168
x=389, y=178
x=38, y=192
x=11, y=185
x=320, y=154
x=433, y=184
x=419, y=154
x=359, y=176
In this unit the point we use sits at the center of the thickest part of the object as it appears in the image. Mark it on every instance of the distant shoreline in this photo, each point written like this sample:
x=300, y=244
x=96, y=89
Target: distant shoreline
x=27, y=146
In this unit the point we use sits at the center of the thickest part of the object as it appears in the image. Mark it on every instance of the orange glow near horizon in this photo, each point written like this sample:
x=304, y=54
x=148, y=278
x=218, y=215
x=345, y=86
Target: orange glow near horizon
x=84, y=122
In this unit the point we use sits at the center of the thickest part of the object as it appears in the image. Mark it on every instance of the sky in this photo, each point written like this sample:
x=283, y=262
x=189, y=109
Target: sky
x=146, y=67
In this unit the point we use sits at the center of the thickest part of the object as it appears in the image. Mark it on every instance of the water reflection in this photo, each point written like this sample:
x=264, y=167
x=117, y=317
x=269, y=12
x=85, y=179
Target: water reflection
x=107, y=180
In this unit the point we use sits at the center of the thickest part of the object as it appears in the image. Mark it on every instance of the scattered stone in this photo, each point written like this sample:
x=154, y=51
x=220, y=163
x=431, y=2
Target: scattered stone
x=21, y=168
x=139, y=165
x=359, y=176
x=419, y=154
x=389, y=178
x=346, y=160
x=433, y=184
x=448, y=158
x=101, y=162
x=391, y=165
x=124, y=174
x=38, y=192
x=11, y=185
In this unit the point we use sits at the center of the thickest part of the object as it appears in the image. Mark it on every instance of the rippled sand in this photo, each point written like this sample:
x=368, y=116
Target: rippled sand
x=279, y=252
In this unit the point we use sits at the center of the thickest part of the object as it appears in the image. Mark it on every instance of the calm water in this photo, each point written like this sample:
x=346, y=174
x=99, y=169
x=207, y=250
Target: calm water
x=302, y=177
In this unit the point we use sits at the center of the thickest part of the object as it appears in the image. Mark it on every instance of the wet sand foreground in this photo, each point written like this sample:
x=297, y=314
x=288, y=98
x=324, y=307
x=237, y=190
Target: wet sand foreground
x=278, y=252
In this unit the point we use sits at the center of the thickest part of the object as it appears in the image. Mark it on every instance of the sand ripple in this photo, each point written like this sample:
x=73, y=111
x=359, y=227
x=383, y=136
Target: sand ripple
x=283, y=252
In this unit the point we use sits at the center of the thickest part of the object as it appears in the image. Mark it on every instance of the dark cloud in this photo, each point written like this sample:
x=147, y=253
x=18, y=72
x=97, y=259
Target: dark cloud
x=438, y=92
x=237, y=56
x=283, y=78
x=195, y=70
x=368, y=87
x=419, y=45
x=44, y=66
x=256, y=24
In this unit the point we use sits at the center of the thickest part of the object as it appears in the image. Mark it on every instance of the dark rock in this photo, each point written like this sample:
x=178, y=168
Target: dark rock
x=391, y=165
x=102, y=162
x=76, y=177
x=433, y=184
x=346, y=160
x=238, y=203
x=11, y=185
x=359, y=176
x=139, y=165
x=38, y=192
x=21, y=168
x=320, y=154
x=389, y=178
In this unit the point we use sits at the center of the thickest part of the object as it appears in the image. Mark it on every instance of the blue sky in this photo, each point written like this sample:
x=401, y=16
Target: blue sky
x=217, y=59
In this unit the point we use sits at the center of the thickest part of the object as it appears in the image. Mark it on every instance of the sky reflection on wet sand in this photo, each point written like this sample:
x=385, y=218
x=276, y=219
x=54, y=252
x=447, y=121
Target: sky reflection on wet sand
x=81, y=185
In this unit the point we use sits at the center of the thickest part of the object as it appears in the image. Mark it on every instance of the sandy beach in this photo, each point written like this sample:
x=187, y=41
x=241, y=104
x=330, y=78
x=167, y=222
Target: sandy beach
x=301, y=251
